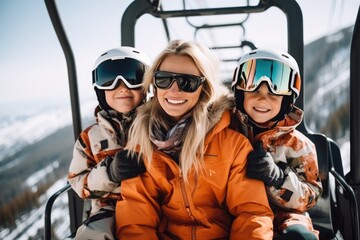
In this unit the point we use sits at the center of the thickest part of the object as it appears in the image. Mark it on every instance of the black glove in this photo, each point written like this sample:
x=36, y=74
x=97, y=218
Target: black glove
x=261, y=166
x=125, y=166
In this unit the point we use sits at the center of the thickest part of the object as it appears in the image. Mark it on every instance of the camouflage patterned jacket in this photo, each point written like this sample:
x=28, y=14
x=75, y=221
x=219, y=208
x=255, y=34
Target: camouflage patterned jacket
x=302, y=187
x=93, y=150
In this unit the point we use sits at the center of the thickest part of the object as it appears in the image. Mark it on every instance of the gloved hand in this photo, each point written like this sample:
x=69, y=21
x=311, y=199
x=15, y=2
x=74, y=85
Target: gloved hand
x=261, y=166
x=124, y=167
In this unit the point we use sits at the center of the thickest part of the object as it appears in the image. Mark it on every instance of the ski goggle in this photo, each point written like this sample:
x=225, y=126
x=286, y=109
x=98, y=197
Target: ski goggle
x=186, y=82
x=281, y=79
x=109, y=74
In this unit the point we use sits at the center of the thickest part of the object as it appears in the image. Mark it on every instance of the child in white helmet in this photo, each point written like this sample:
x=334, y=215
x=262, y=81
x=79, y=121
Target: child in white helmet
x=95, y=171
x=266, y=84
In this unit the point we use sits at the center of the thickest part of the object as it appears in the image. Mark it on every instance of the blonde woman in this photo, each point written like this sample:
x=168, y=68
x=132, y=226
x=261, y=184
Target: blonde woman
x=195, y=186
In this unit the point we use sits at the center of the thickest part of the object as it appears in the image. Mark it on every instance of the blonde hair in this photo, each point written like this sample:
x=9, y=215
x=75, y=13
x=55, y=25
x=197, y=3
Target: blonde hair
x=192, y=151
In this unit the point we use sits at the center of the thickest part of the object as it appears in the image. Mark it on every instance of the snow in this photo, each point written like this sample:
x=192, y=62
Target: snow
x=41, y=174
x=29, y=224
x=29, y=129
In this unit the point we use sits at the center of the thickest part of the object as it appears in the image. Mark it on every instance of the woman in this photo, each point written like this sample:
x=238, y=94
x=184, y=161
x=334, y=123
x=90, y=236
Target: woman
x=195, y=185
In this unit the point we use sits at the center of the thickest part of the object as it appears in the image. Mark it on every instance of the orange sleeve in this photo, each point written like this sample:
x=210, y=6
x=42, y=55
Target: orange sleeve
x=247, y=199
x=138, y=213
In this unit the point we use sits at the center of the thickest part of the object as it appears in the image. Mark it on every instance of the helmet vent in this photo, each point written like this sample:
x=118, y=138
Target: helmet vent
x=285, y=56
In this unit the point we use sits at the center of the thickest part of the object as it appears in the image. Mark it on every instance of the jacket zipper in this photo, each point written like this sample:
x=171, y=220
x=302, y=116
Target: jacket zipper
x=187, y=207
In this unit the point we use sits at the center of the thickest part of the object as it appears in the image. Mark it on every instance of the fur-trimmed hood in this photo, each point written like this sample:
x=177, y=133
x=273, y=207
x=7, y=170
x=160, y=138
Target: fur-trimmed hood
x=216, y=109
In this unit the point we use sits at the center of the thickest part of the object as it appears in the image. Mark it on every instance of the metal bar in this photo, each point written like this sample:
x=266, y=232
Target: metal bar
x=355, y=103
x=354, y=209
x=134, y=11
x=351, y=196
x=209, y=11
x=166, y=27
x=354, y=174
x=139, y=7
x=48, y=209
x=295, y=28
x=75, y=203
x=291, y=9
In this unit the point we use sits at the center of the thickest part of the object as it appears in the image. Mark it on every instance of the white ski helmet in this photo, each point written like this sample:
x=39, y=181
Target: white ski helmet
x=125, y=64
x=121, y=53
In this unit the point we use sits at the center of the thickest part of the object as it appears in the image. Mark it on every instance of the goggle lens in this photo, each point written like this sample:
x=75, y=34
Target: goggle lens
x=107, y=75
x=186, y=82
x=280, y=77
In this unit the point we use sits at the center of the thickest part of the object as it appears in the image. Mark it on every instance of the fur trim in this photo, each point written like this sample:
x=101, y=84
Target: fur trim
x=216, y=109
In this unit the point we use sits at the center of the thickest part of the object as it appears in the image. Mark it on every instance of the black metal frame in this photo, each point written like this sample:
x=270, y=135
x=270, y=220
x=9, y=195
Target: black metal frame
x=76, y=204
x=354, y=175
x=295, y=47
x=354, y=103
x=48, y=209
x=291, y=9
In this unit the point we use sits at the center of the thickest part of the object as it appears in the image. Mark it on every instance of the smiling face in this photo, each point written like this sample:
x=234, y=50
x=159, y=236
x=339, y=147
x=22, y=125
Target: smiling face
x=177, y=103
x=123, y=99
x=261, y=105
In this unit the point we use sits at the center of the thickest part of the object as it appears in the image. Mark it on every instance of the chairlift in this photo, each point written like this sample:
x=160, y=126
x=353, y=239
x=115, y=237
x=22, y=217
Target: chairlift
x=336, y=215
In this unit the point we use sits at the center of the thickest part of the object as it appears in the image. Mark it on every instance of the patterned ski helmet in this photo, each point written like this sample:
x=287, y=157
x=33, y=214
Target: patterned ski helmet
x=278, y=69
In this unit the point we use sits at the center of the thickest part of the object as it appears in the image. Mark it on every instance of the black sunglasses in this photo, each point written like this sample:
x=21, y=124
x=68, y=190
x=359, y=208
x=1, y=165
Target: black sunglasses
x=186, y=82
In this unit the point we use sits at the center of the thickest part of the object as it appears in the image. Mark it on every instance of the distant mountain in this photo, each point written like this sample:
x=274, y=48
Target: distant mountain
x=17, y=132
x=27, y=130
x=327, y=79
x=35, y=152
x=319, y=53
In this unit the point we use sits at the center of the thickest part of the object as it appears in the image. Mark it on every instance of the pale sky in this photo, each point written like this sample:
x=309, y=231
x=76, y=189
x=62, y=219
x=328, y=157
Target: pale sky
x=32, y=64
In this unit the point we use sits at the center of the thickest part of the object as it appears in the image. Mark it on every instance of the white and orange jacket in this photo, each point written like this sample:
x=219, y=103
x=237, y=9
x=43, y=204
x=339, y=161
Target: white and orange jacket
x=88, y=169
x=302, y=187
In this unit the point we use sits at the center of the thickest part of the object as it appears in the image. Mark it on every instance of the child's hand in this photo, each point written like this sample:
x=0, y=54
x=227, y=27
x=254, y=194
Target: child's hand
x=124, y=167
x=261, y=166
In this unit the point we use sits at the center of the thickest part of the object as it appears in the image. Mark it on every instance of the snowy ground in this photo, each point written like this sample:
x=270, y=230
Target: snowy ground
x=31, y=225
